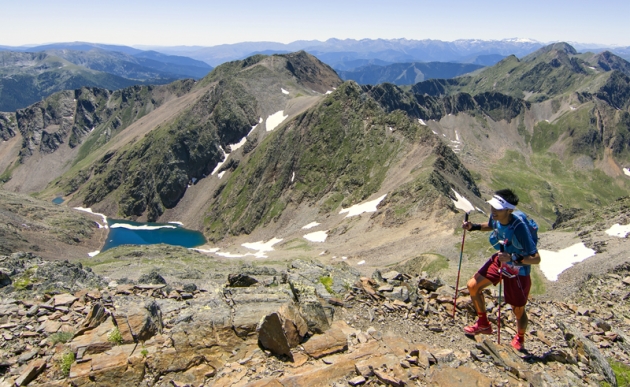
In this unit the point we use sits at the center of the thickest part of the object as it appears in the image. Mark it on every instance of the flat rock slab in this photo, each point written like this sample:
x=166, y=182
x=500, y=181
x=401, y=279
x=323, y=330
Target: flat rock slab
x=460, y=377
x=332, y=341
x=64, y=299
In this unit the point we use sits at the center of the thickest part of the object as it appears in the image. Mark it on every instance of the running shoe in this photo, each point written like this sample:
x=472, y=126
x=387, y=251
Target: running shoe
x=476, y=329
x=518, y=343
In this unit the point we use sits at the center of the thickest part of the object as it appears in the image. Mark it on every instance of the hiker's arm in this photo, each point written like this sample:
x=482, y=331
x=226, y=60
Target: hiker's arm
x=531, y=259
x=476, y=226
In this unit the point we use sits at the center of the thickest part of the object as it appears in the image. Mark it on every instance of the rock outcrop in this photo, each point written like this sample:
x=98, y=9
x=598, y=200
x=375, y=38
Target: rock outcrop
x=392, y=329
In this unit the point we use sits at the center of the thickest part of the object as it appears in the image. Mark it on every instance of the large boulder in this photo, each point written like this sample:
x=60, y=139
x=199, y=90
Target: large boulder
x=282, y=330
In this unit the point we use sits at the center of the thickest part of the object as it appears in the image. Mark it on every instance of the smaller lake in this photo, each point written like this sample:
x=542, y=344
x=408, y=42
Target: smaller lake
x=126, y=232
x=58, y=200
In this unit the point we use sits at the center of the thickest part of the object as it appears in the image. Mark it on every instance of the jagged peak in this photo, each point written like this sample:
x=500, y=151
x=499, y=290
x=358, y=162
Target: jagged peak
x=561, y=48
x=610, y=62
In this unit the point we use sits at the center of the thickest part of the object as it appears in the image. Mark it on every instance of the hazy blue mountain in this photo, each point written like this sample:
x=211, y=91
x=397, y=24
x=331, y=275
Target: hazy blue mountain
x=356, y=63
x=28, y=77
x=406, y=73
x=484, y=60
x=334, y=51
x=83, y=46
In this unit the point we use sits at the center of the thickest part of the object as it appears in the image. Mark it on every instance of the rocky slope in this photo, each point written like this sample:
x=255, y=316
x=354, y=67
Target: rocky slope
x=52, y=232
x=304, y=324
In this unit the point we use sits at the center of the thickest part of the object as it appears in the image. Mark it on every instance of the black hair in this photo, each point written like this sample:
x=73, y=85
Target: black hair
x=508, y=195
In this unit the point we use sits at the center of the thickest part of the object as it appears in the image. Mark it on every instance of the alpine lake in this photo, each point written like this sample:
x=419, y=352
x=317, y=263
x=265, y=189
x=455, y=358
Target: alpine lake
x=125, y=232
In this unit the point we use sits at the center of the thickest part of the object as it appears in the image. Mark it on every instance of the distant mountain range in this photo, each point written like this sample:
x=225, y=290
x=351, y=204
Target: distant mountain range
x=406, y=73
x=368, y=61
x=336, y=52
x=29, y=76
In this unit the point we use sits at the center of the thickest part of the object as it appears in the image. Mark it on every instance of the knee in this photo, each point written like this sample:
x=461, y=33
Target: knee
x=519, y=312
x=472, y=287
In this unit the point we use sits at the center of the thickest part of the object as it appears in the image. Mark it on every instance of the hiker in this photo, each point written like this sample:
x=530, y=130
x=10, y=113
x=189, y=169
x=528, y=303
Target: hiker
x=520, y=237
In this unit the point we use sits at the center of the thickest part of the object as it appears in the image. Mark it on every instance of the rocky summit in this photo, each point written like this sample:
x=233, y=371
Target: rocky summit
x=306, y=324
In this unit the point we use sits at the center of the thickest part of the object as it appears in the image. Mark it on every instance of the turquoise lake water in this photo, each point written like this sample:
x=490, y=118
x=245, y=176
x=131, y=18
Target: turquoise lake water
x=58, y=200
x=126, y=232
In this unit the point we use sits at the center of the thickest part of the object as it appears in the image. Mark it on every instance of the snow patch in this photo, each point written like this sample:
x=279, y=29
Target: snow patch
x=619, y=230
x=572, y=108
x=177, y=223
x=262, y=246
x=142, y=227
x=358, y=209
x=284, y=91
x=225, y=157
x=275, y=119
x=212, y=250
x=220, y=175
x=310, y=225
x=230, y=255
x=422, y=122
x=317, y=236
x=89, y=210
x=328, y=92
x=293, y=177
x=94, y=253
x=456, y=136
x=626, y=171
x=360, y=262
x=239, y=144
x=553, y=263
x=434, y=132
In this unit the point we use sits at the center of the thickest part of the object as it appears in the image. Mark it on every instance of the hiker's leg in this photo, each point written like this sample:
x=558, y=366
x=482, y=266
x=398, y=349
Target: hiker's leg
x=521, y=319
x=475, y=286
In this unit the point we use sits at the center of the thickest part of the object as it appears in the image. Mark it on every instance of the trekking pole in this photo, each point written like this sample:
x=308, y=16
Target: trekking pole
x=501, y=249
x=461, y=253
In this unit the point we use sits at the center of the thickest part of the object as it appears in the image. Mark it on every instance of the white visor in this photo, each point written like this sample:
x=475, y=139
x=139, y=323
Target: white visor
x=500, y=204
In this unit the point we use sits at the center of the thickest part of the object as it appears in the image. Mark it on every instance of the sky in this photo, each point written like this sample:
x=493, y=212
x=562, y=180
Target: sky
x=210, y=23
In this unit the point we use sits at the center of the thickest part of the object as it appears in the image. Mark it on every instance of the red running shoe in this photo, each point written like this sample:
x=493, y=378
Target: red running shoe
x=518, y=343
x=476, y=329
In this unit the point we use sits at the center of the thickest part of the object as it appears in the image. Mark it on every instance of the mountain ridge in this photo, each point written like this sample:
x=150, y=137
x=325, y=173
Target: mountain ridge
x=565, y=129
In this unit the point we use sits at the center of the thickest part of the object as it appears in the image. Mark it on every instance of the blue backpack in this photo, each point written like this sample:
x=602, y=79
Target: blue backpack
x=521, y=217
x=530, y=223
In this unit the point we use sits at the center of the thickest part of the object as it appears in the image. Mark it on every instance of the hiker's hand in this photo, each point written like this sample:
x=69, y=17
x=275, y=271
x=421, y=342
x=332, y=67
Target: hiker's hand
x=466, y=226
x=505, y=257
